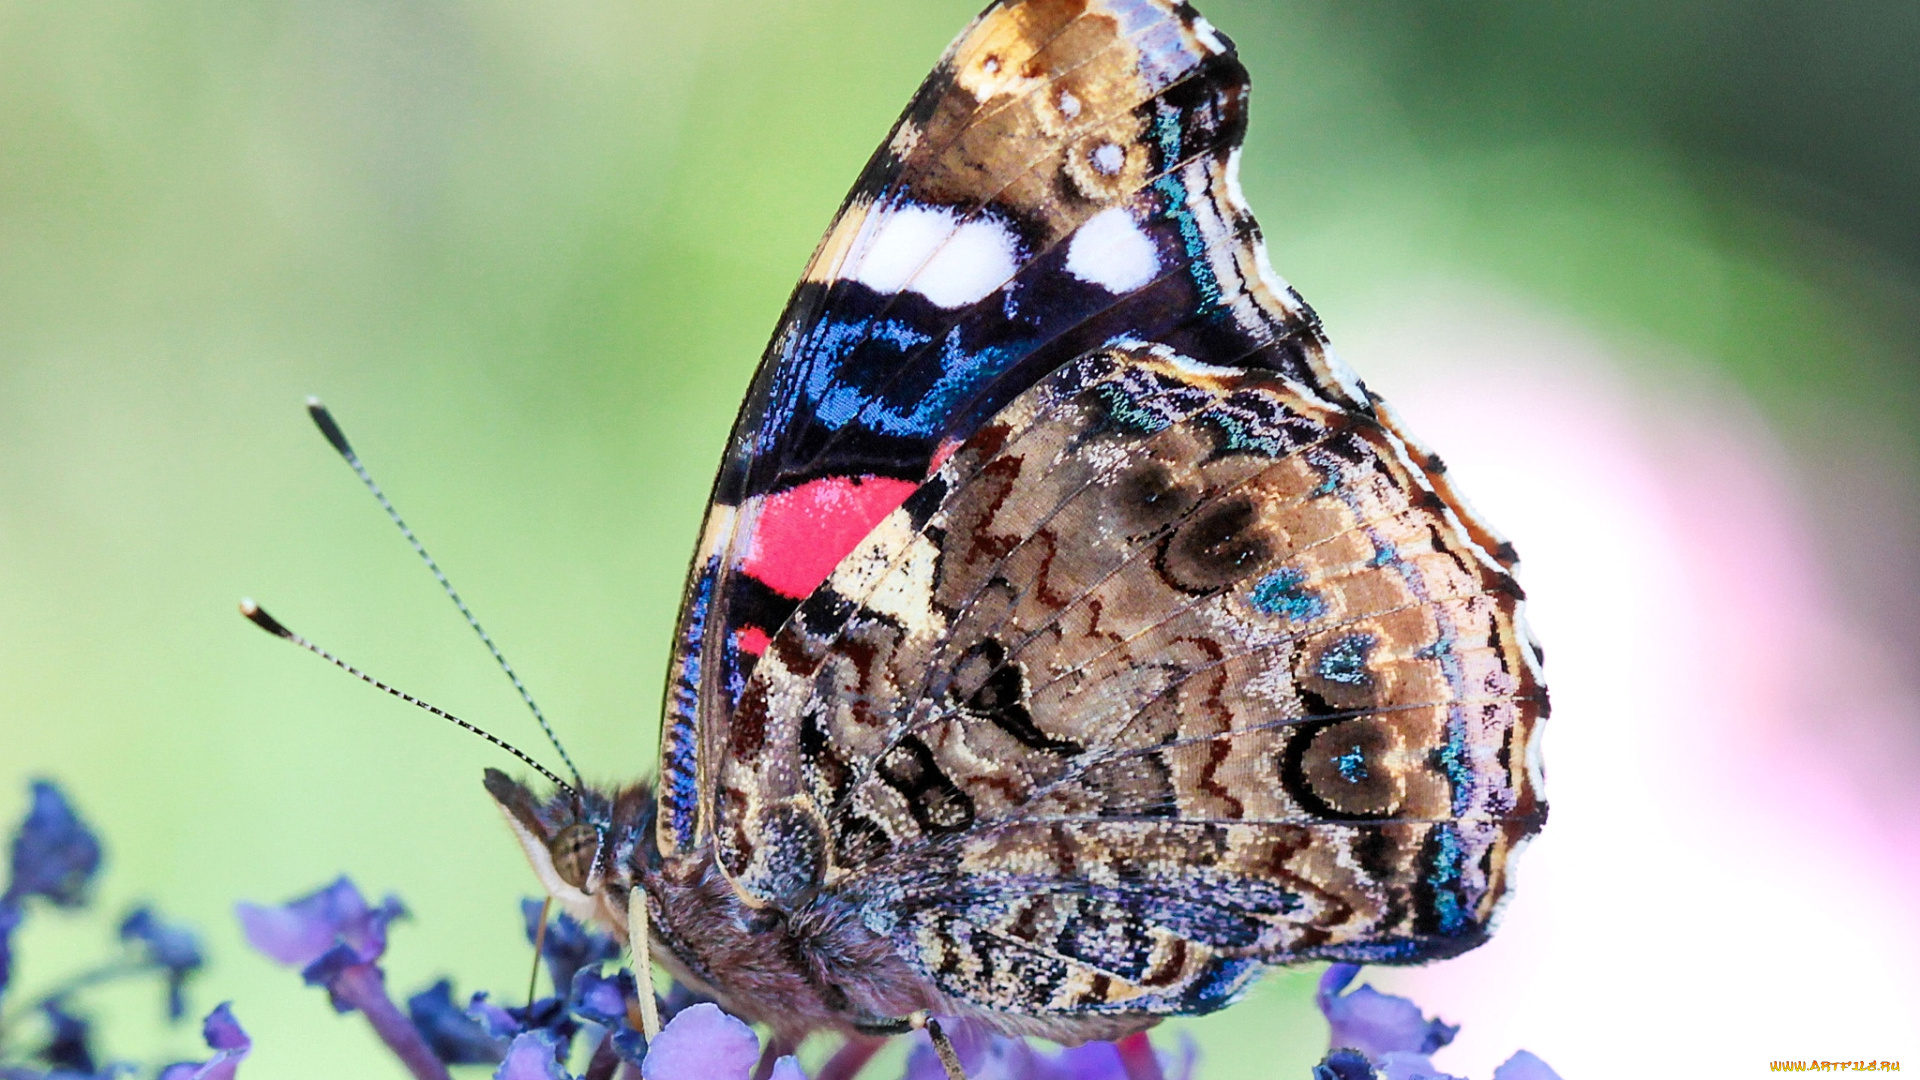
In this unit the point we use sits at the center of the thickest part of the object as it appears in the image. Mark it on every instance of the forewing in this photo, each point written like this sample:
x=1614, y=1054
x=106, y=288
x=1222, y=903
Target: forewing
x=1171, y=671
x=1064, y=177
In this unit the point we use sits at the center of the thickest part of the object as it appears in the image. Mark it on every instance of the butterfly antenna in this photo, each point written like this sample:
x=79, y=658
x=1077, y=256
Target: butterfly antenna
x=338, y=439
x=259, y=617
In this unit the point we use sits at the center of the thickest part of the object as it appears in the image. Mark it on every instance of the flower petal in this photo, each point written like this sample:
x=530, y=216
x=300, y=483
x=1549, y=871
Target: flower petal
x=1524, y=1066
x=1093, y=1061
x=1404, y=1066
x=327, y=972
x=368, y=933
x=787, y=1068
x=630, y=1046
x=223, y=1032
x=702, y=1043
x=600, y=999
x=1344, y=1064
x=224, y=1035
x=55, y=855
x=456, y=1037
x=1374, y=1023
x=298, y=932
x=532, y=1057
x=493, y=1019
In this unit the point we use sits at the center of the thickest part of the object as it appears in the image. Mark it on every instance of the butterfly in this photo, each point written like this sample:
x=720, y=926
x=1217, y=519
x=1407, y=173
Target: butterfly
x=1072, y=634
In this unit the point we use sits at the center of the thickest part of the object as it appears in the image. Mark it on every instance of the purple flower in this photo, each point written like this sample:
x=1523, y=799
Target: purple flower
x=9, y=921
x=1374, y=1023
x=610, y=1003
x=455, y=1035
x=602, y=1000
x=55, y=855
x=69, y=1040
x=299, y=932
x=1524, y=1066
x=337, y=941
x=1376, y=1036
x=229, y=1043
x=500, y=1023
x=702, y=1043
x=1344, y=1065
x=167, y=947
x=984, y=1053
x=533, y=1056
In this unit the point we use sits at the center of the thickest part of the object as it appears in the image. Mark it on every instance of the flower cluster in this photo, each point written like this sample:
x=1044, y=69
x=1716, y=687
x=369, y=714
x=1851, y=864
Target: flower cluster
x=54, y=860
x=336, y=939
x=1378, y=1036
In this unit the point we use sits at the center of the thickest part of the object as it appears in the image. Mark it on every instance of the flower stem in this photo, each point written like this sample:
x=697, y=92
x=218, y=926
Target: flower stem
x=363, y=987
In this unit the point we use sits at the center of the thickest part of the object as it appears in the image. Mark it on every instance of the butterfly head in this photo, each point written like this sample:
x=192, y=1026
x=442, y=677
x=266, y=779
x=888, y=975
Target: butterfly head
x=581, y=843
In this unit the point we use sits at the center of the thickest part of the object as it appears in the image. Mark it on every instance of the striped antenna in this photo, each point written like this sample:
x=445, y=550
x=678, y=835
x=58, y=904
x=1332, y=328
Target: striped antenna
x=258, y=616
x=338, y=440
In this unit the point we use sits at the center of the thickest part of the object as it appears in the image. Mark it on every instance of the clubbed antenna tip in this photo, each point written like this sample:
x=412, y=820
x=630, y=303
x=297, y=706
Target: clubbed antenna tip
x=323, y=420
x=258, y=616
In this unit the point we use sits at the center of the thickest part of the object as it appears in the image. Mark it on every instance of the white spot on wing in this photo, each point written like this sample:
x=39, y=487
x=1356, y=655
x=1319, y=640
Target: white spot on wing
x=1108, y=158
x=1069, y=105
x=924, y=249
x=1110, y=251
x=1208, y=36
x=979, y=259
x=895, y=244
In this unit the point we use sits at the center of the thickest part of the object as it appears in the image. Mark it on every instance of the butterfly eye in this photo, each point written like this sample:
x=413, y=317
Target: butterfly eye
x=575, y=850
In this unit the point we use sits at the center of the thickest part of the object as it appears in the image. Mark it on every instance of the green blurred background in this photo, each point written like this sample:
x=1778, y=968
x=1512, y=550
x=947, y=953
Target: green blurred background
x=530, y=253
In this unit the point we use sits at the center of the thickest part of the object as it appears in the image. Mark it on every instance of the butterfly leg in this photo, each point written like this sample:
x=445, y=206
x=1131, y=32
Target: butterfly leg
x=942, y=1045
x=920, y=1021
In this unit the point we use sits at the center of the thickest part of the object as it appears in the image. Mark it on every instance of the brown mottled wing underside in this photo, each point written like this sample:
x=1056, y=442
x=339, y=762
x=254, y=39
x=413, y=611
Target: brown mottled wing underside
x=1171, y=671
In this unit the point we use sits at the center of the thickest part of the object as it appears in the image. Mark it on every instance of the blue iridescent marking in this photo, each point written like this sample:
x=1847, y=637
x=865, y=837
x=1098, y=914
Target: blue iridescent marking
x=1444, y=879
x=1352, y=765
x=679, y=773
x=1284, y=592
x=1243, y=436
x=838, y=403
x=835, y=402
x=1125, y=413
x=1384, y=553
x=1166, y=128
x=1459, y=769
x=1345, y=661
x=962, y=373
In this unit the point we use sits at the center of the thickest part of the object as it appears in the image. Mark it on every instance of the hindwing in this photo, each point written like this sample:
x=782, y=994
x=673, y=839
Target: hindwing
x=1171, y=671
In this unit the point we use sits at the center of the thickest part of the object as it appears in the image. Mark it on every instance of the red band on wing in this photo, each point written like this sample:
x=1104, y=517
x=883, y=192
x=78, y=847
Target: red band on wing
x=802, y=533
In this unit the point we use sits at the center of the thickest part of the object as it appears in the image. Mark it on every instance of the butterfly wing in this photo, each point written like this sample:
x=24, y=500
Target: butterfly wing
x=1065, y=176
x=1170, y=672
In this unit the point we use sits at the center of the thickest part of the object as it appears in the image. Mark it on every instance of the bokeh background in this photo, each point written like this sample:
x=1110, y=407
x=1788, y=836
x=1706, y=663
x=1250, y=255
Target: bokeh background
x=1645, y=273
